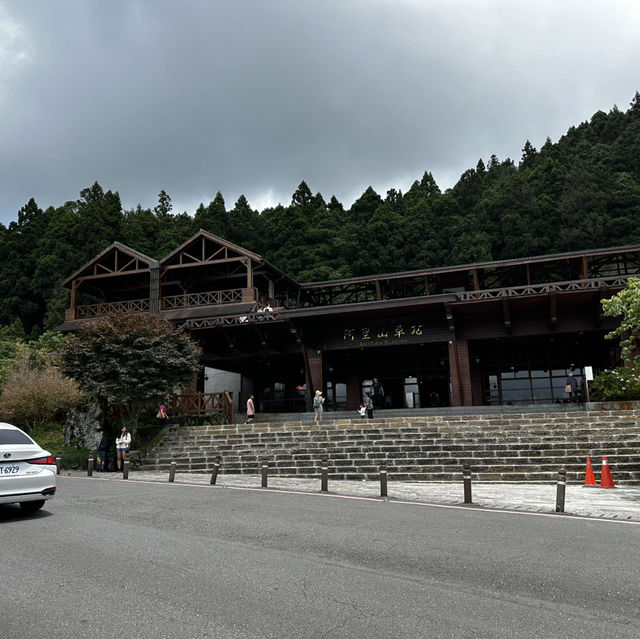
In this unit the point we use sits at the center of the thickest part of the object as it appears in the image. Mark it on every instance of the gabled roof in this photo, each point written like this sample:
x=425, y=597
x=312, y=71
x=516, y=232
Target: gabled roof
x=209, y=247
x=116, y=258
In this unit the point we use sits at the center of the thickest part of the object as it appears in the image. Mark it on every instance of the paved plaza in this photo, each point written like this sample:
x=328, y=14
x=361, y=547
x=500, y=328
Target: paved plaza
x=622, y=502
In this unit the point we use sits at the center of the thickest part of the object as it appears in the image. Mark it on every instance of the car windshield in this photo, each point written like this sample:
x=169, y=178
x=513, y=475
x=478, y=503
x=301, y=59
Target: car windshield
x=10, y=436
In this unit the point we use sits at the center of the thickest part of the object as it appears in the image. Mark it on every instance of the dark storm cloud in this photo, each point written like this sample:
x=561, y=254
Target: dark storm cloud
x=253, y=97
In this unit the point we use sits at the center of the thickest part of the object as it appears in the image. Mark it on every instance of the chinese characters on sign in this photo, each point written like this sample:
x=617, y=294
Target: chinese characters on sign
x=367, y=335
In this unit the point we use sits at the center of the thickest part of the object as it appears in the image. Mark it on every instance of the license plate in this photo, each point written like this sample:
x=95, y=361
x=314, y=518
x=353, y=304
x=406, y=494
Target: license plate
x=9, y=470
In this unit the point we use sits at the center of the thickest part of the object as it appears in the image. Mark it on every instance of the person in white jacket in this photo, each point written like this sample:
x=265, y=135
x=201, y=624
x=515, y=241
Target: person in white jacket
x=123, y=441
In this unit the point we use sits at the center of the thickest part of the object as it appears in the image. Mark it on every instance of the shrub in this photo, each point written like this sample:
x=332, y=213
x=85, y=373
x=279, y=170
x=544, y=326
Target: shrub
x=32, y=395
x=620, y=384
x=51, y=438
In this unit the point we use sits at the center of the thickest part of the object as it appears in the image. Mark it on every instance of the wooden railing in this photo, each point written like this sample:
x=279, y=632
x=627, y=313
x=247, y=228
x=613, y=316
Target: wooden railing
x=96, y=310
x=619, y=281
x=210, y=298
x=204, y=404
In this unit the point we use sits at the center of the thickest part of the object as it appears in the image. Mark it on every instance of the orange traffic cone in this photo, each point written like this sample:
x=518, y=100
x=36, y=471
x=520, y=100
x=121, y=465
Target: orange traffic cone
x=605, y=476
x=589, y=477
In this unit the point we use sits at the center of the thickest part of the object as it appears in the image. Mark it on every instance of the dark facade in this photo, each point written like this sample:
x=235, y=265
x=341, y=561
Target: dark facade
x=509, y=332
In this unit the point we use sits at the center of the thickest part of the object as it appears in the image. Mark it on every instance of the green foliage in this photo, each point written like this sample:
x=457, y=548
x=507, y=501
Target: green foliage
x=35, y=391
x=51, y=438
x=130, y=360
x=621, y=384
x=626, y=305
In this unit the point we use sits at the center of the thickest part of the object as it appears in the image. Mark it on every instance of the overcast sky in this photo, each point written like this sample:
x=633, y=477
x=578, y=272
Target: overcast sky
x=251, y=97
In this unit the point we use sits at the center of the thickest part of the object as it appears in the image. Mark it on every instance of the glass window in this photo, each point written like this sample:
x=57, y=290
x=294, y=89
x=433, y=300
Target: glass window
x=541, y=389
x=540, y=373
x=10, y=436
x=516, y=391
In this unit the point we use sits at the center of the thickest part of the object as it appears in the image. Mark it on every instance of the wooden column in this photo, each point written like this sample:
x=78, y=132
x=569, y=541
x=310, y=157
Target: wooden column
x=313, y=366
x=353, y=392
x=74, y=298
x=461, y=394
x=154, y=290
x=249, y=273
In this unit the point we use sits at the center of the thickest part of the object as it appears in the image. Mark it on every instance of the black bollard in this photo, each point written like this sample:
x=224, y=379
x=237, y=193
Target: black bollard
x=172, y=470
x=265, y=473
x=324, y=476
x=214, y=474
x=58, y=464
x=560, y=491
x=90, y=467
x=383, y=479
x=125, y=470
x=466, y=477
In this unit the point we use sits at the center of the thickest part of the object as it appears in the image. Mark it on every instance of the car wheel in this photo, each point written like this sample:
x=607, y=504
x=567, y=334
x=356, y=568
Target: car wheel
x=32, y=506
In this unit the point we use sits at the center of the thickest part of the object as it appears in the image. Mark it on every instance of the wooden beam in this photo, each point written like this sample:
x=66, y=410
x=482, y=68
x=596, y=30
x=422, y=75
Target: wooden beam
x=553, y=310
x=74, y=296
x=506, y=313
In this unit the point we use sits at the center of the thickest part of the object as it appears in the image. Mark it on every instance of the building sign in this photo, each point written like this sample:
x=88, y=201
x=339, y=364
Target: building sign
x=398, y=333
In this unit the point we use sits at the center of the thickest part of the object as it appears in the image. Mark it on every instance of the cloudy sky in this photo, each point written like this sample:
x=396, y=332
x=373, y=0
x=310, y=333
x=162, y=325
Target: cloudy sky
x=252, y=96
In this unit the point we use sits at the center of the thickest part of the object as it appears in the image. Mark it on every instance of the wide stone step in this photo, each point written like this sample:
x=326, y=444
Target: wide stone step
x=515, y=447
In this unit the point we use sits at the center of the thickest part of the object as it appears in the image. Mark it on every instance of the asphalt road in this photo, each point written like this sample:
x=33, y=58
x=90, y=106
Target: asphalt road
x=133, y=559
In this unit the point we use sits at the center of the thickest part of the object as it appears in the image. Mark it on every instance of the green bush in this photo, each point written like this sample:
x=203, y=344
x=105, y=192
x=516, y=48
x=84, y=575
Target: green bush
x=620, y=384
x=50, y=437
x=34, y=394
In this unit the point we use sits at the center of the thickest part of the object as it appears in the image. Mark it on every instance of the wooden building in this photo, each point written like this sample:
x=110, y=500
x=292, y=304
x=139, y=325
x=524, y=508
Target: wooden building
x=508, y=332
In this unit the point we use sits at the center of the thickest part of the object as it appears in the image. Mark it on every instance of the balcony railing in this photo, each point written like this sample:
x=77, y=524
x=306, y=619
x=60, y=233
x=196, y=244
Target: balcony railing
x=210, y=298
x=171, y=302
x=96, y=310
x=619, y=281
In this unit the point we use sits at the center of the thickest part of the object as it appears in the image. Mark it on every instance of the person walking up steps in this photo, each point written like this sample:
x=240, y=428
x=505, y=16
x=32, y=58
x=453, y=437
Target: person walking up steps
x=318, y=406
x=251, y=410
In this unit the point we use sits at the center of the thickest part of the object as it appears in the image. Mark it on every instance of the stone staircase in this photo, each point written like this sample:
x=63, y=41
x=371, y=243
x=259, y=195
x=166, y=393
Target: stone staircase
x=499, y=447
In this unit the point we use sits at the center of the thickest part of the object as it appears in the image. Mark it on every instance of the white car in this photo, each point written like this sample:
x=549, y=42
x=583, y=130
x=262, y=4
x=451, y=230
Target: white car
x=27, y=472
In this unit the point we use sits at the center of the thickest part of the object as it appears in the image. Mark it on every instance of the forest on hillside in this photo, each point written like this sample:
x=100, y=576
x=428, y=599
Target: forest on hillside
x=578, y=193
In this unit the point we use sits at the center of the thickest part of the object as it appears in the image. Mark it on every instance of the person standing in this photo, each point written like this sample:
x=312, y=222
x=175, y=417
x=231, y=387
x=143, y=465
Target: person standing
x=571, y=387
x=318, y=406
x=103, y=453
x=251, y=410
x=368, y=405
x=378, y=393
x=123, y=441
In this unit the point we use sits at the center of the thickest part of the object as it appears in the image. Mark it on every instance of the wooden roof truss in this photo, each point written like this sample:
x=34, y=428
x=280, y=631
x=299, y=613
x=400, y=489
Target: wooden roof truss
x=203, y=250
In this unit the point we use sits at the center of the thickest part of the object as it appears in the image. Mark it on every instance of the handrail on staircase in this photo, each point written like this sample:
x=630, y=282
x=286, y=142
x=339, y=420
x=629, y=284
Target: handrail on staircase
x=203, y=404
